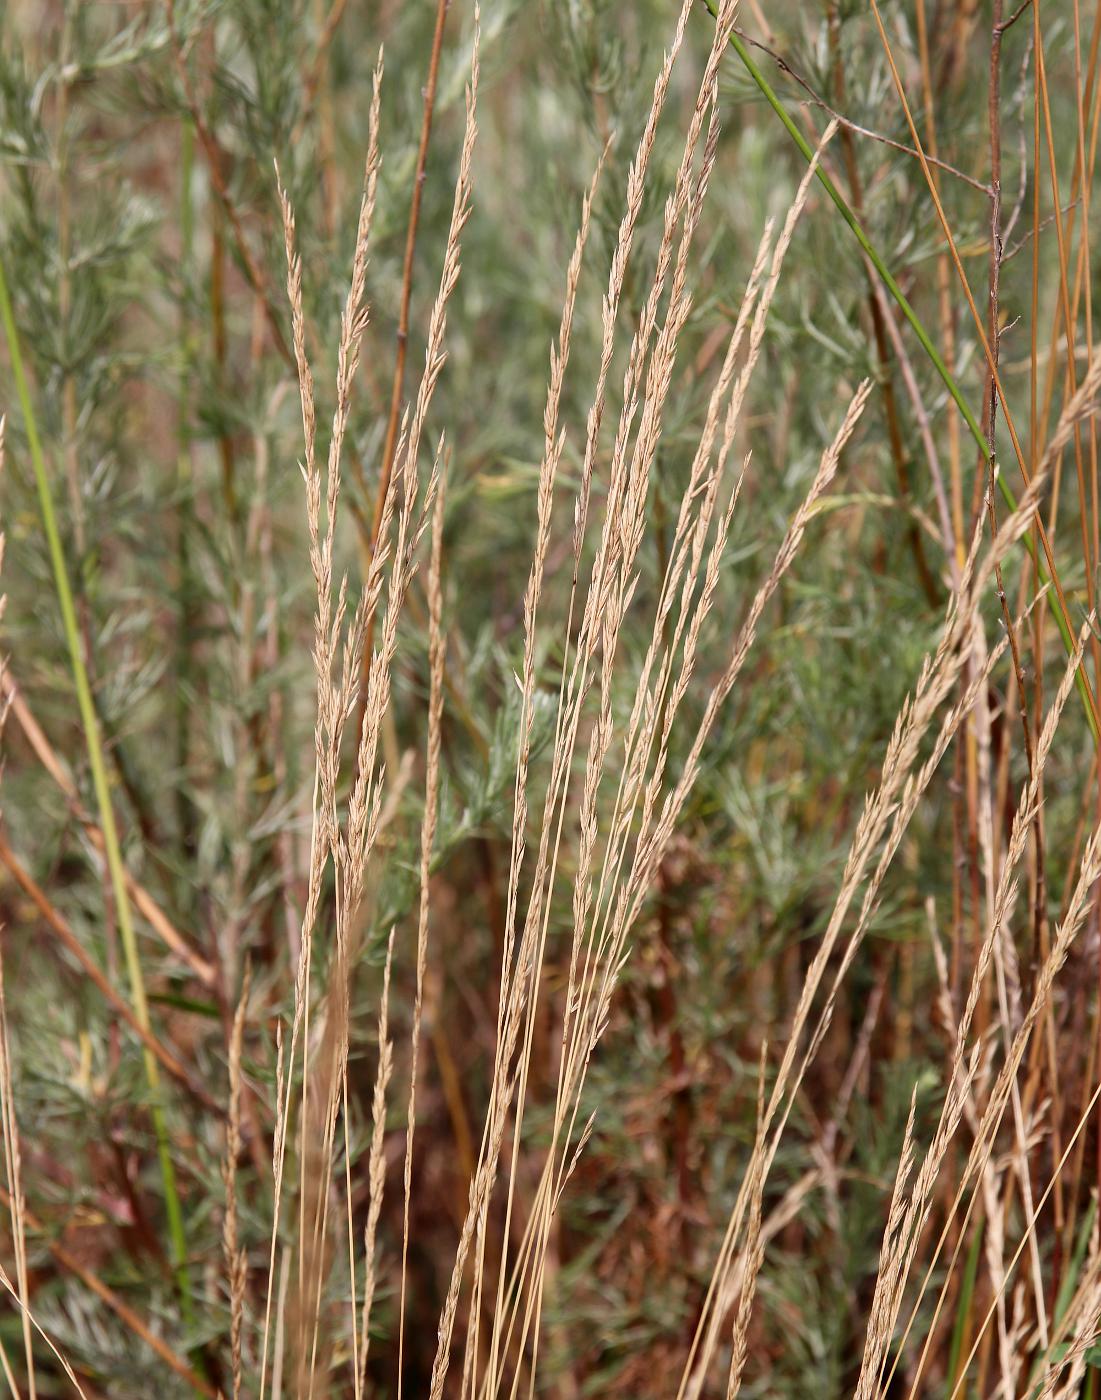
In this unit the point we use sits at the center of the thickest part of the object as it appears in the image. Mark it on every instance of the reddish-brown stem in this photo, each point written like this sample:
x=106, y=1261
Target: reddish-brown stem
x=143, y=901
x=58, y=925
x=397, y=387
x=213, y=156
x=122, y=1310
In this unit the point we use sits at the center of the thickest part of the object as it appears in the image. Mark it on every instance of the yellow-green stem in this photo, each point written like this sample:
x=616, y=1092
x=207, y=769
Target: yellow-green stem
x=925, y=340
x=102, y=790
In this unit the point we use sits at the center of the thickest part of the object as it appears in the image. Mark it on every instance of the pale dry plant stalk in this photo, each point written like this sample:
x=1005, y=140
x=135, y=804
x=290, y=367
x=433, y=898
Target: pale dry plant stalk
x=1071, y=925
x=687, y=543
x=1068, y=930
x=25, y=1312
x=958, y=1081
x=754, y=1254
x=9, y=1374
x=412, y=523
x=933, y=686
x=332, y=701
x=613, y=584
x=233, y=1255
x=590, y=636
x=333, y=692
x=895, y=1270
x=983, y=1131
x=1007, y=984
x=992, y=1196
x=376, y=1168
x=1002, y=906
x=683, y=575
x=1077, y=1330
x=538, y=1224
x=609, y=945
x=624, y=541
x=636, y=190
x=9, y=1126
x=656, y=823
x=515, y=968
x=13, y=1168
x=352, y=855
x=636, y=187
x=607, y=956
x=612, y=571
x=886, y=814
x=684, y=565
x=436, y=657
x=892, y=1276
x=880, y=1321
x=349, y=844
x=554, y=442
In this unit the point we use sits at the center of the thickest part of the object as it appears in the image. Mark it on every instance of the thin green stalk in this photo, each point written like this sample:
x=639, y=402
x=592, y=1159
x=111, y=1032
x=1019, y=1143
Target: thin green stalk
x=102, y=791
x=1071, y=1281
x=869, y=250
x=963, y=1307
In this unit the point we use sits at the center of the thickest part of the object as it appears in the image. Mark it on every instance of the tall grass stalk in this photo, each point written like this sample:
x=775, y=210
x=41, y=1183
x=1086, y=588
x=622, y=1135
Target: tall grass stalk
x=1046, y=571
x=94, y=750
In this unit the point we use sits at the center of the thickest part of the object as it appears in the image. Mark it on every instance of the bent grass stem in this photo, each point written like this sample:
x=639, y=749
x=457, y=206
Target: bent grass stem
x=934, y=355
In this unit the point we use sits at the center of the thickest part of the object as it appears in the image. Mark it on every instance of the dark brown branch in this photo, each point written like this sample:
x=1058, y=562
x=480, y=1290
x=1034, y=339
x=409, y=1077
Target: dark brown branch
x=1007, y=24
x=854, y=127
x=213, y=155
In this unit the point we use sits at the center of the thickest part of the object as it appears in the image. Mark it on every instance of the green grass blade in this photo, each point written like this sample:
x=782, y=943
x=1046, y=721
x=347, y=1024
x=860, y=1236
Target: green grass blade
x=1073, y=1274
x=94, y=747
x=963, y=1307
x=924, y=339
